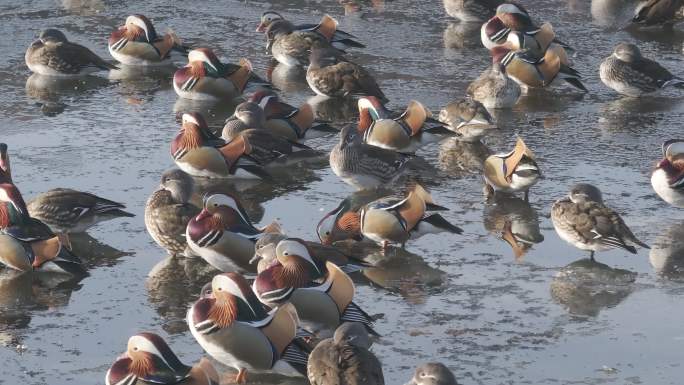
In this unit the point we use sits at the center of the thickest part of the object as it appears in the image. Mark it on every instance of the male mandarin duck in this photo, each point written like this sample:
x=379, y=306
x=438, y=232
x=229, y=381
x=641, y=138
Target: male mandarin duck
x=28, y=244
x=381, y=130
x=468, y=118
x=511, y=17
x=494, y=89
x=340, y=39
x=137, y=43
x=330, y=74
x=265, y=253
x=223, y=235
x=53, y=55
x=320, y=291
x=235, y=329
x=65, y=210
x=206, y=78
x=199, y=152
x=291, y=47
x=365, y=166
x=395, y=220
x=530, y=70
x=668, y=177
x=511, y=172
x=629, y=73
x=168, y=211
x=149, y=360
x=345, y=359
x=658, y=12
x=265, y=110
x=584, y=221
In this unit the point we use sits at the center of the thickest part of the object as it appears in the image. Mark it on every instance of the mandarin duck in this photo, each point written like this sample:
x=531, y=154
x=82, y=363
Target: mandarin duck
x=137, y=43
x=658, y=12
x=433, y=373
x=345, y=359
x=394, y=220
x=168, y=211
x=149, y=360
x=668, y=177
x=330, y=74
x=584, y=221
x=511, y=172
x=320, y=291
x=291, y=47
x=381, y=130
x=294, y=123
x=206, y=78
x=53, y=55
x=223, y=235
x=494, y=89
x=339, y=40
x=471, y=10
x=28, y=244
x=235, y=329
x=365, y=166
x=468, y=118
x=631, y=74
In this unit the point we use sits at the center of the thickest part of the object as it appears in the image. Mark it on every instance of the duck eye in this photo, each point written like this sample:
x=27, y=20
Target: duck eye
x=327, y=233
x=135, y=348
x=422, y=374
x=215, y=204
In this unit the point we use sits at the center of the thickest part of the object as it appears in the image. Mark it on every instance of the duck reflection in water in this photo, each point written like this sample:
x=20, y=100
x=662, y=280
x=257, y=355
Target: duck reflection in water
x=667, y=253
x=51, y=92
x=514, y=221
x=585, y=287
x=462, y=35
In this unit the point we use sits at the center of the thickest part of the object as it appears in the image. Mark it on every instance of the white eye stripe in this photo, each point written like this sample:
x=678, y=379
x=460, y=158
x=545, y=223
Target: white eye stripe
x=191, y=119
x=145, y=345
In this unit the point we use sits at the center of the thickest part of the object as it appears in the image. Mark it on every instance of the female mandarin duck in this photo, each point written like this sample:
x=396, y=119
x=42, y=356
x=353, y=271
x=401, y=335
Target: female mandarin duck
x=28, y=244
x=233, y=327
x=364, y=166
x=512, y=172
x=137, y=43
x=345, y=359
x=320, y=291
x=199, y=152
x=206, y=78
x=668, y=177
x=468, y=118
x=584, y=221
x=65, y=210
x=53, y=55
x=433, y=373
x=385, y=220
x=291, y=47
x=494, y=89
x=471, y=10
x=168, y=211
x=223, y=235
x=340, y=39
x=379, y=129
x=149, y=360
x=658, y=12
x=330, y=74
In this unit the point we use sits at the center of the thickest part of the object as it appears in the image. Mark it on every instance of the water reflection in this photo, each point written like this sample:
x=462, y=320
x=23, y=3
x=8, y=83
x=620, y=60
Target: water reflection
x=667, y=253
x=94, y=253
x=633, y=114
x=462, y=35
x=334, y=109
x=215, y=113
x=459, y=159
x=172, y=285
x=585, y=287
x=514, y=221
x=667, y=39
x=84, y=7
x=363, y=7
x=140, y=83
x=51, y=92
x=287, y=78
x=405, y=273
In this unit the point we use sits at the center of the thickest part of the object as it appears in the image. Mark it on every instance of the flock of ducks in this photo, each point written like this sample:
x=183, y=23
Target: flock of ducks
x=297, y=315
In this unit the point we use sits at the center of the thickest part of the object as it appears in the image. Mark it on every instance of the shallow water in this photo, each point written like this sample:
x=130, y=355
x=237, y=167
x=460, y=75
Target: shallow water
x=466, y=300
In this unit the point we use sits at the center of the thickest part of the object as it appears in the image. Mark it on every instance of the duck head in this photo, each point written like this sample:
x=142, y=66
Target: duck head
x=148, y=358
x=584, y=192
x=179, y=184
x=194, y=133
x=5, y=170
x=340, y=224
x=206, y=57
x=234, y=300
x=10, y=195
x=267, y=18
x=139, y=25
x=251, y=114
x=627, y=52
